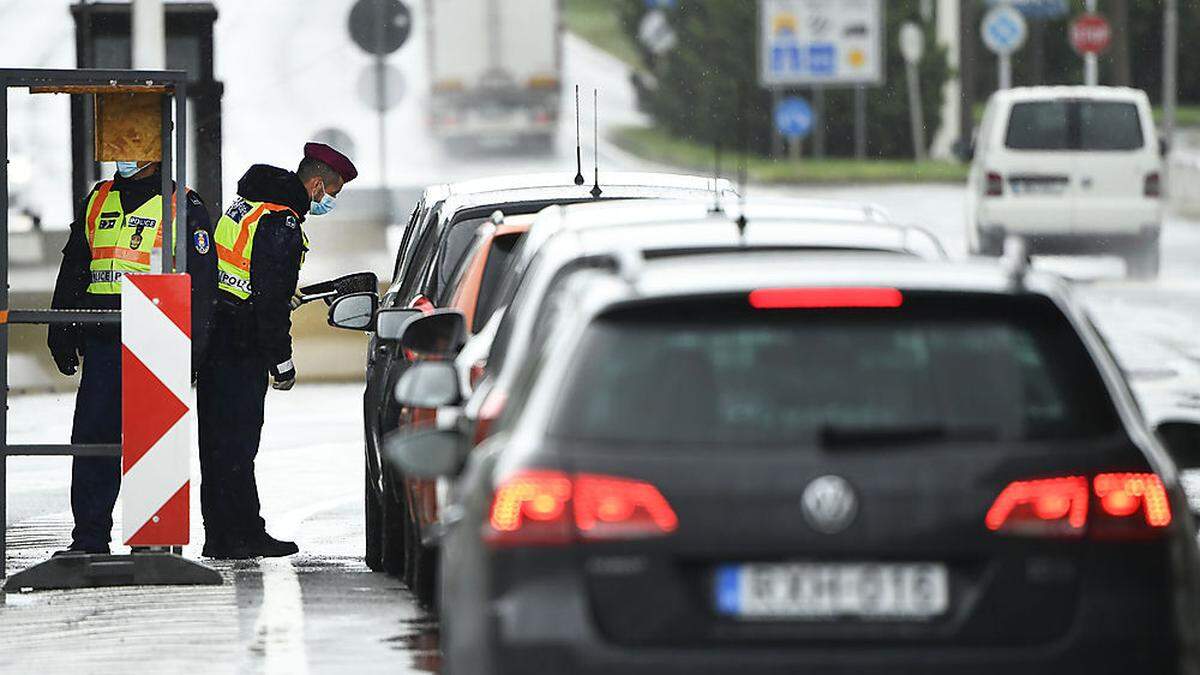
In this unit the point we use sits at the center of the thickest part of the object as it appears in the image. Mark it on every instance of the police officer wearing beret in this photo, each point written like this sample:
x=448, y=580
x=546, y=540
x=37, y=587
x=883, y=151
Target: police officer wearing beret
x=117, y=231
x=260, y=246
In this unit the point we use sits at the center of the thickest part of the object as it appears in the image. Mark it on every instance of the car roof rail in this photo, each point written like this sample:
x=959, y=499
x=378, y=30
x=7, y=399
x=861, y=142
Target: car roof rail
x=1015, y=259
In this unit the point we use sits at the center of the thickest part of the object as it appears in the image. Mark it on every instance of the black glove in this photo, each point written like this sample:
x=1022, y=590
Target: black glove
x=284, y=376
x=65, y=342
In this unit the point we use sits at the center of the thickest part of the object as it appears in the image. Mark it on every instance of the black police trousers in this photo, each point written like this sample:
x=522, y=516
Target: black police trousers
x=230, y=392
x=95, y=481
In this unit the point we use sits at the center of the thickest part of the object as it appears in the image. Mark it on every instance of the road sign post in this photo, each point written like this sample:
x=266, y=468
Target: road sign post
x=1004, y=31
x=1090, y=36
x=912, y=48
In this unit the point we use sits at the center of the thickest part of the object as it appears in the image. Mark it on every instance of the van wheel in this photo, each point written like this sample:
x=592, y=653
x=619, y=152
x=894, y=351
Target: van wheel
x=1142, y=261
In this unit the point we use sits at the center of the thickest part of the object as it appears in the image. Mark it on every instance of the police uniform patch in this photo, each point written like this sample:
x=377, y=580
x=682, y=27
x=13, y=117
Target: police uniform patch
x=202, y=242
x=290, y=221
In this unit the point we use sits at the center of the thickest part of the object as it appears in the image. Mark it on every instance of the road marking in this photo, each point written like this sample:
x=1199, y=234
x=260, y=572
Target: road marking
x=279, y=629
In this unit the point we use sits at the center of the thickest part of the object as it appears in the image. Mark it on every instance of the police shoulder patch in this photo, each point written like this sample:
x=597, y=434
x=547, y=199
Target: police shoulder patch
x=290, y=221
x=202, y=242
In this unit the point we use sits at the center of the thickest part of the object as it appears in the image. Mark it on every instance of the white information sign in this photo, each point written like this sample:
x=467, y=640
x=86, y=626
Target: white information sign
x=820, y=42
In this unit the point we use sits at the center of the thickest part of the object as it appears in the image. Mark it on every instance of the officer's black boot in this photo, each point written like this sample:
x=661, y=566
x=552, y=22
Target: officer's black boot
x=270, y=547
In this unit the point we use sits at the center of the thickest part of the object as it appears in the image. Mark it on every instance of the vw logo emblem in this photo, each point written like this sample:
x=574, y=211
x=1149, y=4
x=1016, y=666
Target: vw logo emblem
x=829, y=504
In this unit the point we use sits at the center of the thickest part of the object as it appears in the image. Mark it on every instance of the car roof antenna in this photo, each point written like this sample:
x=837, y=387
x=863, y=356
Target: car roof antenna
x=743, y=140
x=578, y=157
x=717, y=207
x=596, y=191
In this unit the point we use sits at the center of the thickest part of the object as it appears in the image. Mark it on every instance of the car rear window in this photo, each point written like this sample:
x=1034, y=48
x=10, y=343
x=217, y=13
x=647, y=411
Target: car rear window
x=1074, y=125
x=500, y=259
x=942, y=368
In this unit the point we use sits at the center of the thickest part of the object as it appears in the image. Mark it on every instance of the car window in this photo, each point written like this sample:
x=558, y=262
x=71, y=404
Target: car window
x=500, y=259
x=1038, y=125
x=1074, y=125
x=1107, y=125
x=456, y=243
x=418, y=263
x=940, y=369
x=409, y=233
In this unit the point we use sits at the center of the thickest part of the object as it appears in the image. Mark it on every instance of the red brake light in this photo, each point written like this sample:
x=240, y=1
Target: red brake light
x=1049, y=506
x=994, y=185
x=529, y=508
x=1125, y=494
x=1153, y=186
x=825, y=298
x=619, y=508
x=532, y=508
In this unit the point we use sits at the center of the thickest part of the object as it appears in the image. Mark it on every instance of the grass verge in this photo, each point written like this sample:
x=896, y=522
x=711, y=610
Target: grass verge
x=596, y=21
x=656, y=146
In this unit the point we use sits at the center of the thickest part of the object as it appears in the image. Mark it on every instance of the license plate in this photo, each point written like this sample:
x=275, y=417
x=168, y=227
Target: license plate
x=1038, y=187
x=827, y=591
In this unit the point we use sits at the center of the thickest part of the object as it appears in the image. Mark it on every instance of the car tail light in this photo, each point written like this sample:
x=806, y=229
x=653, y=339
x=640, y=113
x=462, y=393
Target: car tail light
x=489, y=412
x=553, y=507
x=1153, y=184
x=994, y=186
x=620, y=508
x=1118, y=505
x=478, y=370
x=1049, y=506
x=824, y=298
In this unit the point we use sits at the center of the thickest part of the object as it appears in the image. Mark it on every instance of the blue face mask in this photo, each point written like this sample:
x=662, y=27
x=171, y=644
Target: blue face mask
x=128, y=169
x=322, y=207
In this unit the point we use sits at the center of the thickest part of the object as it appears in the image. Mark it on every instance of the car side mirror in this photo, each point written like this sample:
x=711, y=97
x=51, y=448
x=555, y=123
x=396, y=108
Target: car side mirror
x=964, y=150
x=390, y=322
x=427, y=453
x=442, y=333
x=355, y=311
x=429, y=384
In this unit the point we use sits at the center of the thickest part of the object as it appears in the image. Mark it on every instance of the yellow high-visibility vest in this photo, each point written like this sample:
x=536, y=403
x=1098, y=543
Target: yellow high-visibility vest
x=234, y=239
x=121, y=243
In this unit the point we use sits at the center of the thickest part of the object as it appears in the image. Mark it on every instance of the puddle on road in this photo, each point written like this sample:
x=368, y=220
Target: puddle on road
x=419, y=638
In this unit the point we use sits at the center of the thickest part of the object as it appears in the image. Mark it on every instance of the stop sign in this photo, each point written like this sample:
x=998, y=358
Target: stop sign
x=1090, y=34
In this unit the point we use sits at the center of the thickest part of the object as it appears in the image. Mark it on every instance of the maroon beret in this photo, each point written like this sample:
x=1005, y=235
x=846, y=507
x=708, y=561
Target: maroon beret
x=333, y=159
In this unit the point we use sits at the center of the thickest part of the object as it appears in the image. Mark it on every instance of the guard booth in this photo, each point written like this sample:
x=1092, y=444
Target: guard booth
x=102, y=40
x=138, y=115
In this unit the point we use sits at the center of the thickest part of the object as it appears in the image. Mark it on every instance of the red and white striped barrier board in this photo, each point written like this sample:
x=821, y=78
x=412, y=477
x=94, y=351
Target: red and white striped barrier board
x=156, y=409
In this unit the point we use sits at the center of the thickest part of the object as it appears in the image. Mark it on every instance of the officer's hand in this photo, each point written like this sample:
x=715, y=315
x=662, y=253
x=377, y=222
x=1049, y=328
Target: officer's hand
x=283, y=375
x=296, y=301
x=64, y=347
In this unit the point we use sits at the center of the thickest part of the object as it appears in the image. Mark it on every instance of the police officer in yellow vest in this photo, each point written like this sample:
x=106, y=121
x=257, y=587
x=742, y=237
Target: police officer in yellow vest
x=260, y=245
x=117, y=231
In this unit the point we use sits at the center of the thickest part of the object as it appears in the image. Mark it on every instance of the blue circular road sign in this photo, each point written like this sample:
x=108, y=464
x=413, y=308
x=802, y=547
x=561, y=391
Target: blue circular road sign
x=793, y=117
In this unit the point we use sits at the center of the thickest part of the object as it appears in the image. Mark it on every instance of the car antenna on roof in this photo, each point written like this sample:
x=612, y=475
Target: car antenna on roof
x=578, y=156
x=743, y=140
x=717, y=207
x=596, y=191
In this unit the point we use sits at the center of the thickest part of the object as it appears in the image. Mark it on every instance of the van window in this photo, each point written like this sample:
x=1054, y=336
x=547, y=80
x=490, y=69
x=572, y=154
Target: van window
x=1074, y=125
x=1107, y=125
x=1040, y=125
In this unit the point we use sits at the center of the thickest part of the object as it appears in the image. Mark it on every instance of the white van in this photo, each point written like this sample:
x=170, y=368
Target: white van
x=1074, y=170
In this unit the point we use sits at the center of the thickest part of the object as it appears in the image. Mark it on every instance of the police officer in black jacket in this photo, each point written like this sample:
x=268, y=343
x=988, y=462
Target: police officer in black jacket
x=260, y=245
x=116, y=231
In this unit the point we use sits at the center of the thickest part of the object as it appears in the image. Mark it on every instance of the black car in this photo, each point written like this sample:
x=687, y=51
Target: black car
x=437, y=239
x=794, y=462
